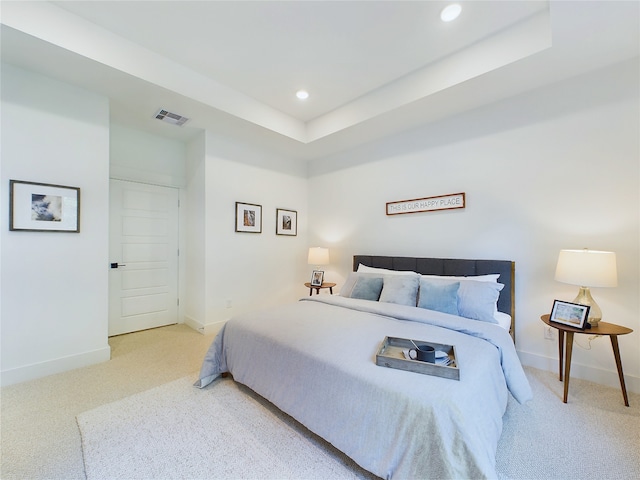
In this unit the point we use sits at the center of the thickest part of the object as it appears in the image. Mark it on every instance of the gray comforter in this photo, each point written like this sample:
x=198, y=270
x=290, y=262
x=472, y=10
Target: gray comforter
x=315, y=360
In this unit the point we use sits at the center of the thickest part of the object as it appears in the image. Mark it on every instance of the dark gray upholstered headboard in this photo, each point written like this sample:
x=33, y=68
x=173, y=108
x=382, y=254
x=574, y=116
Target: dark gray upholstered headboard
x=453, y=266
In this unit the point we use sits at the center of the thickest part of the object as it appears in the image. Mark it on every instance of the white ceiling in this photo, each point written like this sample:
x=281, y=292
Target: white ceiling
x=339, y=51
x=372, y=68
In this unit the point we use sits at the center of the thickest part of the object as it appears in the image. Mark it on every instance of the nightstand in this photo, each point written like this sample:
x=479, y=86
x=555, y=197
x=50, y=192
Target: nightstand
x=324, y=285
x=603, y=328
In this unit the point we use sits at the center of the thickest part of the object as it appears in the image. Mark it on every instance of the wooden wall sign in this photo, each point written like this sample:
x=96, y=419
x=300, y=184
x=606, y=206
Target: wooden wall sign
x=427, y=204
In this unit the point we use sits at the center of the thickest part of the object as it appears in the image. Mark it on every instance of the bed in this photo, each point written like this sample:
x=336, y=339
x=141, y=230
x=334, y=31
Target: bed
x=315, y=359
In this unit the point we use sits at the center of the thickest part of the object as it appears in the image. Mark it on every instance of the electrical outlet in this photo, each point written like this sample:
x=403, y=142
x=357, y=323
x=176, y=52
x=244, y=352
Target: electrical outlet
x=229, y=304
x=549, y=333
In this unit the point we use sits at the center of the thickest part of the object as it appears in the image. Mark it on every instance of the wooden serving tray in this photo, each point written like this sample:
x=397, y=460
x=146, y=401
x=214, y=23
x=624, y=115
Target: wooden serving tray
x=391, y=355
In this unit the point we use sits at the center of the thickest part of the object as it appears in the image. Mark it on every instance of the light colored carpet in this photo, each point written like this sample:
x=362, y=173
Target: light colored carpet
x=40, y=438
x=593, y=436
x=227, y=431
x=223, y=432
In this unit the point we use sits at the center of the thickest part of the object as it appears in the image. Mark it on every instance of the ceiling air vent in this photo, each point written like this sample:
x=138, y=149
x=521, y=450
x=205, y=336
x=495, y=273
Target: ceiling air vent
x=172, y=118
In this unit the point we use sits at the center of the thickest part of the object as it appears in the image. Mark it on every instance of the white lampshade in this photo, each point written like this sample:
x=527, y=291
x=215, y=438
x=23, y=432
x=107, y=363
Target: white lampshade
x=318, y=256
x=587, y=268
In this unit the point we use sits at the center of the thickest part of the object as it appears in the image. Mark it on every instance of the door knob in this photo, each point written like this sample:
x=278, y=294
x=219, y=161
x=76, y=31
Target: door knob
x=116, y=265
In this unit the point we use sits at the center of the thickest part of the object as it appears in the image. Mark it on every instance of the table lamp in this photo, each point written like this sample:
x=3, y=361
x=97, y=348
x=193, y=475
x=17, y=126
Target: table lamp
x=587, y=268
x=318, y=256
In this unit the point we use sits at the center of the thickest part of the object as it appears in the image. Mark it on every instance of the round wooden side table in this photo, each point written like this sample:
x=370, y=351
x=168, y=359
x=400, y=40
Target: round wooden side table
x=603, y=328
x=328, y=285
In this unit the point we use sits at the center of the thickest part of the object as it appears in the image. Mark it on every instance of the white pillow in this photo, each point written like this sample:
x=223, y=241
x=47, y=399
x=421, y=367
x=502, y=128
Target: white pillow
x=493, y=277
x=383, y=271
x=503, y=320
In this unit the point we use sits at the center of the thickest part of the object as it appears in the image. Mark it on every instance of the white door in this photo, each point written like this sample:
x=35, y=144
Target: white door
x=143, y=246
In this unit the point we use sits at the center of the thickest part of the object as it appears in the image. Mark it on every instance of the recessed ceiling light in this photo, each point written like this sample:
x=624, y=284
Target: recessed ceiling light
x=302, y=94
x=450, y=13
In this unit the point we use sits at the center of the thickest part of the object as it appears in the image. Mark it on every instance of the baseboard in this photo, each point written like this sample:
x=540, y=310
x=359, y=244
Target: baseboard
x=50, y=367
x=205, y=329
x=584, y=372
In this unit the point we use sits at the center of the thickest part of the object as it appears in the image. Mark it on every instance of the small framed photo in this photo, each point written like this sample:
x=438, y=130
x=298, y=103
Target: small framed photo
x=316, y=278
x=248, y=217
x=286, y=222
x=43, y=207
x=570, y=314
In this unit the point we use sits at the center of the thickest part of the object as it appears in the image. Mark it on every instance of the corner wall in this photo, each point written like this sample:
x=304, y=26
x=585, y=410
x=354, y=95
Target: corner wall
x=556, y=168
x=54, y=133
x=195, y=211
x=230, y=272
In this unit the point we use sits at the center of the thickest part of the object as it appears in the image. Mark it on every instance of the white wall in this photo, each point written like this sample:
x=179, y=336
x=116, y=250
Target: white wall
x=147, y=158
x=54, y=133
x=243, y=271
x=556, y=168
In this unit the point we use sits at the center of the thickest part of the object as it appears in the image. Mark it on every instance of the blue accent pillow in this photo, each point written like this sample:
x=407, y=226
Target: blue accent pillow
x=477, y=300
x=440, y=297
x=400, y=289
x=350, y=282
x=367, y=288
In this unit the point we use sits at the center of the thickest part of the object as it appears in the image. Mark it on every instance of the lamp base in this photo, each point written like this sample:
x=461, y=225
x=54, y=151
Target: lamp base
x=584, y=298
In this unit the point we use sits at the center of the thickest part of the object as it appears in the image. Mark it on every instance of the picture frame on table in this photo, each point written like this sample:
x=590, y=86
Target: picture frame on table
x=571, y=314
x=43, y=207
x=248, y=217
x=316, y=278
x=286, y=222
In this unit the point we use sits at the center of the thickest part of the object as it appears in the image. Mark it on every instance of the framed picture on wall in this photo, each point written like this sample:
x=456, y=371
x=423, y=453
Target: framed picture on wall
x=248, y=217
x=43, y=207
x=286, y=222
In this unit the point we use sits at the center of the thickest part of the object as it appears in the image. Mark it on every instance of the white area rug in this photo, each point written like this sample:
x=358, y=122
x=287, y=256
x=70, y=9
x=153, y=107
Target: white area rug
x=226, y=431
x=222, y=432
